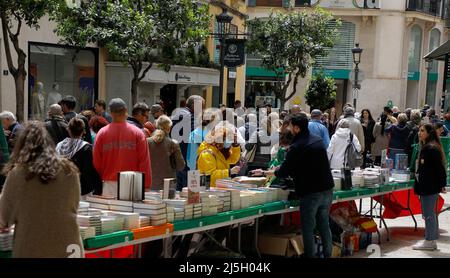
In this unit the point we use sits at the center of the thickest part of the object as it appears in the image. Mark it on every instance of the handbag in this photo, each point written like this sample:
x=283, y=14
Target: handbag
x=249, y=156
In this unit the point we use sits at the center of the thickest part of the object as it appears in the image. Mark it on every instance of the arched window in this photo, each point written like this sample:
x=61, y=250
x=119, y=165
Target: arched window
x=415, y=47
x=432, y=74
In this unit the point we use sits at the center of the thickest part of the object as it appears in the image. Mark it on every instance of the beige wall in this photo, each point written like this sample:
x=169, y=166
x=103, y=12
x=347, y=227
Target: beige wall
x=43, y=34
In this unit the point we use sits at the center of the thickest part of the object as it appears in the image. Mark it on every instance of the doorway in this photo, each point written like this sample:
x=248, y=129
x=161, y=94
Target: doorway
x=168, y=95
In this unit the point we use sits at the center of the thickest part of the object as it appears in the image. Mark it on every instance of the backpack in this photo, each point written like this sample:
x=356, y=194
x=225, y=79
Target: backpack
x=352, y=157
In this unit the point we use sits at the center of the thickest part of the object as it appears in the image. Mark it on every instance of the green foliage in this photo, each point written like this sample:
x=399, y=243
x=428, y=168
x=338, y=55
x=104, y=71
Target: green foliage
x=191, y=56
x=289, y=43
x=203, y=56
x=133, y=30
x=321, y=92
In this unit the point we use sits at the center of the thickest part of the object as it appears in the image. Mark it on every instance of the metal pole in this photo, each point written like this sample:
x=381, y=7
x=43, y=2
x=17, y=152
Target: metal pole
x=356, y=85
x=222, y=66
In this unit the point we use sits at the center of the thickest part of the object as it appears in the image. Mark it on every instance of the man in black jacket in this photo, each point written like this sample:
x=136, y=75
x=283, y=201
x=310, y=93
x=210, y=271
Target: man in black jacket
x=140, y=114
x=307, y=163
x=55, y=124
x=68, y=104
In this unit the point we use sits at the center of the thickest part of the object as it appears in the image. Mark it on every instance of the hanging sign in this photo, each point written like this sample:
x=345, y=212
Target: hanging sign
x=234, y=55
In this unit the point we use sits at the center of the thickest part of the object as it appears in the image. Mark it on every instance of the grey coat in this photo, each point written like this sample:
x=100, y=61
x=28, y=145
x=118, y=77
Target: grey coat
x=160, y=154
x=381, y=141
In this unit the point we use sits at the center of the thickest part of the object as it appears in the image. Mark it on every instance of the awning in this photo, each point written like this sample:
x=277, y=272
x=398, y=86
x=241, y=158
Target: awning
x=439, y=53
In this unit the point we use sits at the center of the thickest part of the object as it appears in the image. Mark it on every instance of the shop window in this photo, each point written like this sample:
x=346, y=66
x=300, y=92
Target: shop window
x=56, y=71
x=415, y=46
x=435, y=38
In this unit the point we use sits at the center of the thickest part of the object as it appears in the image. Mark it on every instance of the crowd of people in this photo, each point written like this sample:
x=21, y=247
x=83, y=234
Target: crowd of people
x=76, y=154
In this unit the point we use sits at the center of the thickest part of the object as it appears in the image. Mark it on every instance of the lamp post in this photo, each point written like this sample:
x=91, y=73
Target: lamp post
x=223, y=30
x=356, y=60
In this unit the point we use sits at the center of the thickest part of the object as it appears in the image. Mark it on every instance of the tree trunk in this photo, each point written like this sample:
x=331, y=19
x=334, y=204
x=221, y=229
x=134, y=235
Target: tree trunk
x=20, y=95
x=134, y=90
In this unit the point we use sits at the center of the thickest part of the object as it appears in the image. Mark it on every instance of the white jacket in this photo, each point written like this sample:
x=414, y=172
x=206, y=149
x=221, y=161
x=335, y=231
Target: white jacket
x=338, y=145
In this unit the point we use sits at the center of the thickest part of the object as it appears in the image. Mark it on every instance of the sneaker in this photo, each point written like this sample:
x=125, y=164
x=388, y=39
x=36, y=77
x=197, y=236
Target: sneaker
x=429, y=245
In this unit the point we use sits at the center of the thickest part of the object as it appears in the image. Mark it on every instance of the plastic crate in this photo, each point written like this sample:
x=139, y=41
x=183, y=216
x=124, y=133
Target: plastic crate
x=5, y=254
x=215, y=219
x=274, y=206
x=151, y=231
x=188, y=224
x=108, y=239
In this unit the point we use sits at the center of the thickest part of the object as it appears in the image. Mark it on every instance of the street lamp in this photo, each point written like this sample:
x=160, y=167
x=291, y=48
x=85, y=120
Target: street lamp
x=356, y=60
x=223, y=24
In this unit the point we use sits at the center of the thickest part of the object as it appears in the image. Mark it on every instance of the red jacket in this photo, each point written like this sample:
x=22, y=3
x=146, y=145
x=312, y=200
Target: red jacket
x=121, y=147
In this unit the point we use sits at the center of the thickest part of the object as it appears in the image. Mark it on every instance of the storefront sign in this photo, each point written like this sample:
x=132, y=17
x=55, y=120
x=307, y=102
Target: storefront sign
x=234, y=55
x=414, y=75
x=182, y=77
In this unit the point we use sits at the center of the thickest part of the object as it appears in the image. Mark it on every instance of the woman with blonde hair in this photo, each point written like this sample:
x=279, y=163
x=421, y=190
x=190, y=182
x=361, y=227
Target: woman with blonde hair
x=166, y=152
x=218, y=152
x=40, y=197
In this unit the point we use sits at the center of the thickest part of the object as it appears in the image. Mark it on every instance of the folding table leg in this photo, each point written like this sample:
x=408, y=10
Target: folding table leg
x=256, y=237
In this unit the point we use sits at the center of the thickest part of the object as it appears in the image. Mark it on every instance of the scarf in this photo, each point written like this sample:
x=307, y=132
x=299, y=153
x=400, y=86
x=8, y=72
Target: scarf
x=69, y=147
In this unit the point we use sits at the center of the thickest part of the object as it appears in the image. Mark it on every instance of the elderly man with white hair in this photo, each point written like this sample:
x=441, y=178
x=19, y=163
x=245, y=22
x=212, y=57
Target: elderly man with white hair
x=56, y=125
x=11, y=128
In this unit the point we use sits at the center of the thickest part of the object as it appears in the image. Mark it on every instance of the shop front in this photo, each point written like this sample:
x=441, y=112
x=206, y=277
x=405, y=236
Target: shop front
x=172, y=88
x=56, y=71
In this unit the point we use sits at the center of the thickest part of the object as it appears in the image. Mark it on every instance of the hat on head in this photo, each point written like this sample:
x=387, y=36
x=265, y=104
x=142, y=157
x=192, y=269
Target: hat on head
x=349, y=111
x=155, y=108
x=117, y=105
x=55, y=110
x=316, y=113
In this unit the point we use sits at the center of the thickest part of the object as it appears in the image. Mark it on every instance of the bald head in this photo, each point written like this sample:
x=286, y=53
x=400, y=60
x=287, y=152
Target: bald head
x=296, y=109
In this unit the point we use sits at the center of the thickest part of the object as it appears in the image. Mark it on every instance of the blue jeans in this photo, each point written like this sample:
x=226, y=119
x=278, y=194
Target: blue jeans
x=314, y=211
x=429, y=215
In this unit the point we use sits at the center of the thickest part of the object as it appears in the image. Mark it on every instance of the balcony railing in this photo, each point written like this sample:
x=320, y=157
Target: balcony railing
x=431, y=7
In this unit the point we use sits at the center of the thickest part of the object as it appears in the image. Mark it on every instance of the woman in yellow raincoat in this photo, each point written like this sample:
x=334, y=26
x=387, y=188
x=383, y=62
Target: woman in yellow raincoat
x=219, y=150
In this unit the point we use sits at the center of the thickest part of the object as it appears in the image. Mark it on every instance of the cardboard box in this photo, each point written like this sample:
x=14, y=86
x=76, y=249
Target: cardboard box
x=287, y=245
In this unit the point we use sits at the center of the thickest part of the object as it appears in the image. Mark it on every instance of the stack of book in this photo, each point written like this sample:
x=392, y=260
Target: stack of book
x=198, y=208
x=246, y=200
x=83, y=207
x=178, y=214
x=225, y=183
x=153, y=195
x=99, y=202
x=155, y=210
x=235, y=197
x=90, y=221
x=6, y=241
x=170, y=214
x=87, y=232
x=259, y=197
x=144, y=221
x=188, y=209
x=119, y=205
x=224, y=196
x=130, y=219
x=268, y=195
x=111, y=224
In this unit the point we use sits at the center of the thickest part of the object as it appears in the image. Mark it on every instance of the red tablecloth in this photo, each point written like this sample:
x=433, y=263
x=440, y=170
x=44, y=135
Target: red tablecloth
x=396, y=202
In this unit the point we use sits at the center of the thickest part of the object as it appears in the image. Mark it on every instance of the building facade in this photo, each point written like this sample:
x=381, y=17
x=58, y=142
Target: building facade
x=394, y=35
x=55, y=70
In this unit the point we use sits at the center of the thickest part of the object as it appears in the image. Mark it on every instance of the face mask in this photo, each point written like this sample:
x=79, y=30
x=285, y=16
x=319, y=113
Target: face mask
x=226, y=145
